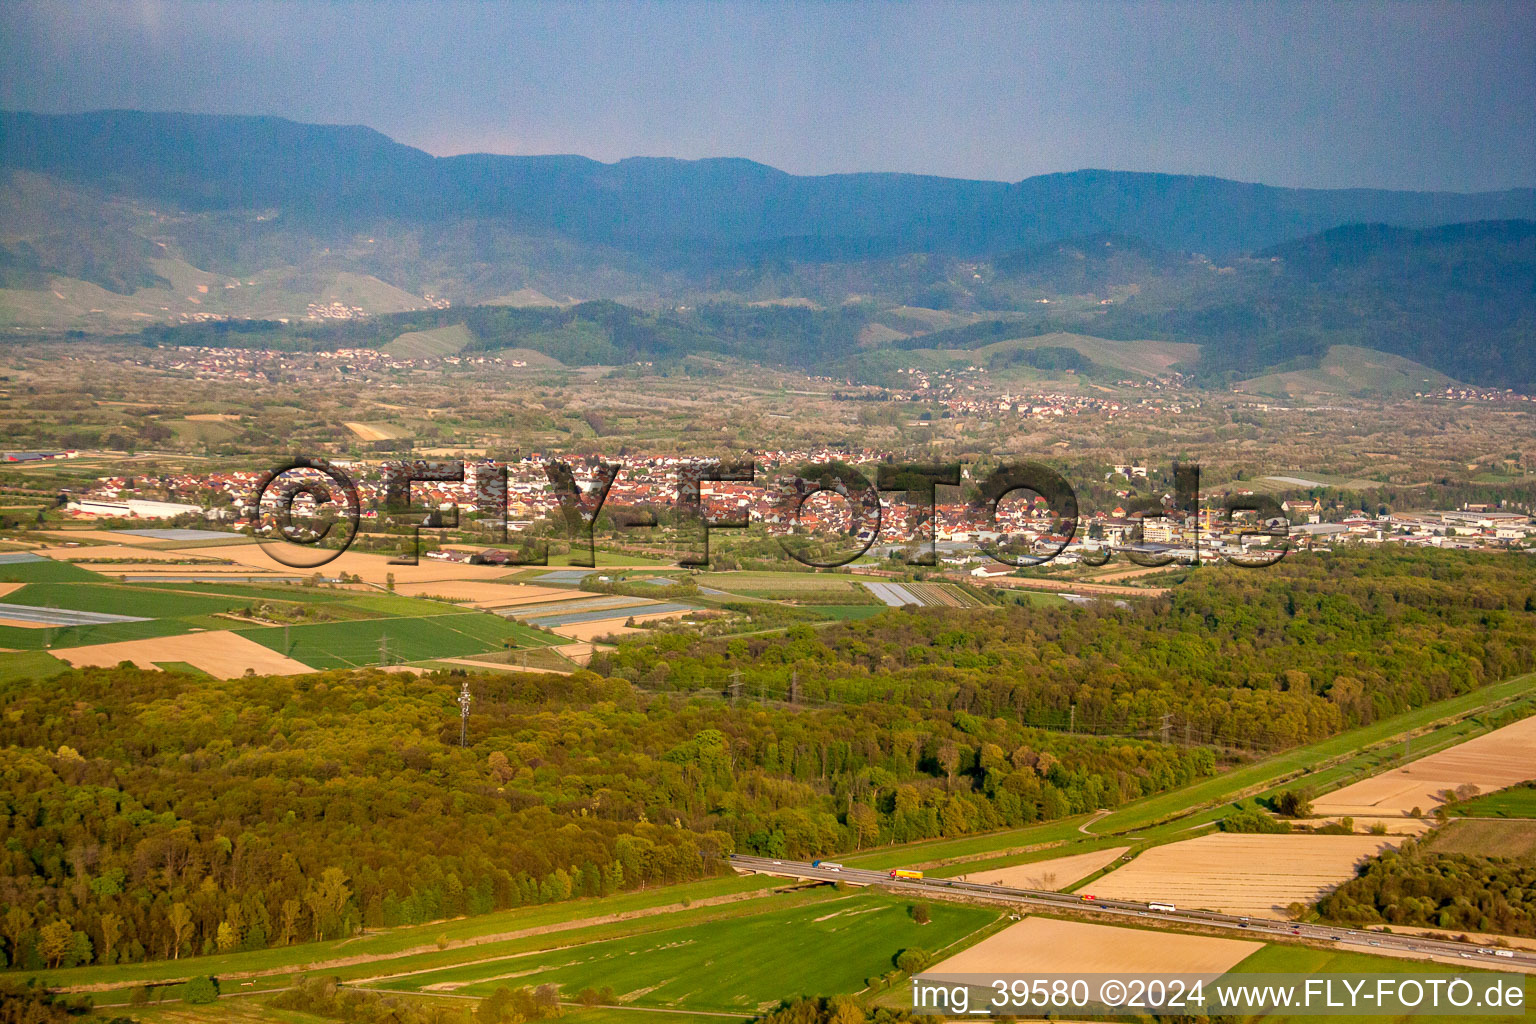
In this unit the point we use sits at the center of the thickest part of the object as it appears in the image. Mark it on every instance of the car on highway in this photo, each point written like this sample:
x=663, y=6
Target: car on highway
x=1089, y=896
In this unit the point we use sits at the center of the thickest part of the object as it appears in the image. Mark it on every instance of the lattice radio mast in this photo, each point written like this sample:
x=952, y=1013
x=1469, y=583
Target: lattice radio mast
x=464, y=700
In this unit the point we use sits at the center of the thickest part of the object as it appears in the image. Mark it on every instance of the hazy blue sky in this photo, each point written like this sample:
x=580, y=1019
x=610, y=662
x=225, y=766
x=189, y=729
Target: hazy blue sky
x=1398, y=94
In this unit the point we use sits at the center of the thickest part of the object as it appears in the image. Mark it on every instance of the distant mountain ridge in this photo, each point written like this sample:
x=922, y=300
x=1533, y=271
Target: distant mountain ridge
x=119, y=219
x=681, y=210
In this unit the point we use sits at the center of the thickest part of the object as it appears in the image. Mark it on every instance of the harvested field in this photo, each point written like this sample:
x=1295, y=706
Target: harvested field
x=213, y=417
x=374, y=431
x=1041, y=944
x=219, y=653
x=371, y=567
x=481, y=594
x=1487, y=837
x=611, y=626
x=6, y=588
x=593, y=630
x=150, y=570
x=1056, y=873
x=100, y=552
x=114, y=536
x=1241, y=874
x=1493, y=761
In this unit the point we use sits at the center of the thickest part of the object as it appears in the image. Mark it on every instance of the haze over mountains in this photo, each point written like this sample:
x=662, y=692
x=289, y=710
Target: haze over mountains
x=122, y=217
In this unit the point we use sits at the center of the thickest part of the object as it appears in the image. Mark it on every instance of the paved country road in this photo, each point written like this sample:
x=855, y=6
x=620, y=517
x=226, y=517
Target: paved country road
x=1253, y=927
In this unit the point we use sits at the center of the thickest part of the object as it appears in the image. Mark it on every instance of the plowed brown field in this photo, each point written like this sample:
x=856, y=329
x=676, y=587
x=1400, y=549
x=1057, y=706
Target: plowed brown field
x=1494, y=761
x=1044, y=945
x=219, y=653
x=1239, y=873
x=1056, y=873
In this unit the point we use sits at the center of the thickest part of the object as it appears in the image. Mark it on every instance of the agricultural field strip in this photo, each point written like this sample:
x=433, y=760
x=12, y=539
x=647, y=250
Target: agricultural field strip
x=603, y=932
x=1051, y=873
x=738, y=963
x=584, y=604
x=473, y=937
x=1496, y=761
x=45, y=616
x=415, y=948
x=1241, y=873
x=1046, y=945
x=638, y=611
x=893, y=594
x=357, y=642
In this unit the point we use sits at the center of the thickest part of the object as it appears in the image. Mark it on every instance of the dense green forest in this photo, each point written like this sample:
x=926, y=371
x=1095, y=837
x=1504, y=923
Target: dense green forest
x=1255, y=660
x=1416, y=886
x=155, y=815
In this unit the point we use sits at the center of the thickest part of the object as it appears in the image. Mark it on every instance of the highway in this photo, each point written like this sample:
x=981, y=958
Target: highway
x=1257, y=927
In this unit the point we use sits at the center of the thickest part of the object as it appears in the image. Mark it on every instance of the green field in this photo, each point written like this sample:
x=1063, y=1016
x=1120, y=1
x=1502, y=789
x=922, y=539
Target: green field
x=173, y=608
x=328, y=645
x=1514, y=802
x=44, y=572
x=100, y=595
x=1295, y=959
x=605, y=559
x=787, y=586
x=381, y=947
x=16, y=665
x=739, y=964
